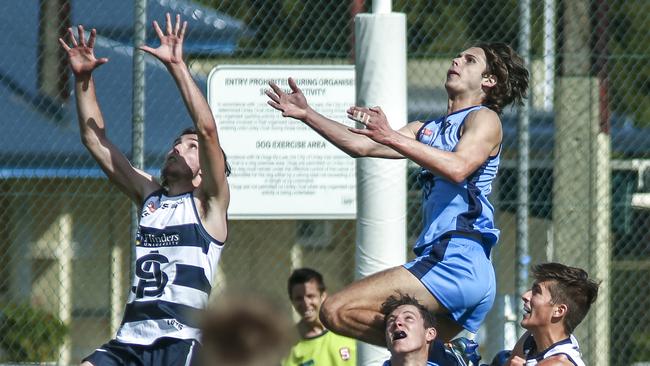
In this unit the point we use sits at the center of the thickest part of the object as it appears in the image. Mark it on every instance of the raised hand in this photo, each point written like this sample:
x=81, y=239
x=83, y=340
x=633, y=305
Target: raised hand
x=292, y=104
x=170, y=51
x=376, y=125
x=81, y=55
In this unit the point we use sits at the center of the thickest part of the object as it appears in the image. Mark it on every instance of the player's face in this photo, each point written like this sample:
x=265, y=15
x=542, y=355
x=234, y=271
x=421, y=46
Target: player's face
x=405, y=331
x=538, y=306
x=183, y=158
x=306, y=299
x=467, y=71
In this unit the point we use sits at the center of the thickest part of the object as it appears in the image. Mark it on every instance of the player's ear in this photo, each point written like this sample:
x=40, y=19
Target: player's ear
x=560, y=310
x=431, y=334
x=489, y=81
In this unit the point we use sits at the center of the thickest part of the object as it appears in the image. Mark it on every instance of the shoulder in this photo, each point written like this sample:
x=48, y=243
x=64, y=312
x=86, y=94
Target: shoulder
x=482, y=122
x=415, y=125
x=213, y=216
x=411, y=129
x=484, y=116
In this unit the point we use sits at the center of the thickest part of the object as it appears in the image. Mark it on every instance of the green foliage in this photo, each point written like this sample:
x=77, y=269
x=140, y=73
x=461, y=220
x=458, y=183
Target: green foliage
x=28, y=334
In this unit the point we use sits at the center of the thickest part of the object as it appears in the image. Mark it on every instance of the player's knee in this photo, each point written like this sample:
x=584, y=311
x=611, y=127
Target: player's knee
x=330, y=314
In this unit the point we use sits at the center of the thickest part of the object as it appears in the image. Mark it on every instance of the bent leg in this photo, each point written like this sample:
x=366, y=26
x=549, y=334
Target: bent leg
x=355, y=310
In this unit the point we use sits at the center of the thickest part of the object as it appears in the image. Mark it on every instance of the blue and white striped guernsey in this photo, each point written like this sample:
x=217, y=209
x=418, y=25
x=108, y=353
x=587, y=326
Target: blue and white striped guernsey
x=176, y=260
x=568, y=347
x=455, y=208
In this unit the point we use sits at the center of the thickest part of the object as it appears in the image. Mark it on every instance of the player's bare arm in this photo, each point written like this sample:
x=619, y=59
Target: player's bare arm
x=135, y=183
x=481, y=138
x=295, y=105
x=213, y=191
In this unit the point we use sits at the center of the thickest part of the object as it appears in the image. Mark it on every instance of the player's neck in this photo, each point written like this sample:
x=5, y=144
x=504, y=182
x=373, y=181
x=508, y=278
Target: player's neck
x=548, y=336
x=176, y=188
x=310, y=330
x=461, y=101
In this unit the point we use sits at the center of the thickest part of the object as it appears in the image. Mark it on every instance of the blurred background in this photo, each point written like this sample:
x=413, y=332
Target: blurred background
x=573, y=187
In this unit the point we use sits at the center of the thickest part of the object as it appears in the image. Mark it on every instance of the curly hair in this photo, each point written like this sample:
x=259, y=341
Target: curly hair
x=570, y=286
x=511, y=76
x=399, y=299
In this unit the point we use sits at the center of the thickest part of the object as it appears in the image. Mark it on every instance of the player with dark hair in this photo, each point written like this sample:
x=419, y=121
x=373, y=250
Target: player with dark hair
x=183, y=221
x=459, y=154
x=409, y=330
x=317, y=346
x=555, y=305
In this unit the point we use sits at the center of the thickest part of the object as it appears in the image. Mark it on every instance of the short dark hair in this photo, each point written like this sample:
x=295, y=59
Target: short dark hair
x=510, y=72
x=570, y=286
x=399, y=299
x=304, y=275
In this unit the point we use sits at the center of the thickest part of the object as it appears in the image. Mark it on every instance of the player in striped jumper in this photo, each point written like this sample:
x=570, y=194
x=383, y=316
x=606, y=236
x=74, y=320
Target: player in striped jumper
x=555, y=305
x=183, y=222
x=459, y=152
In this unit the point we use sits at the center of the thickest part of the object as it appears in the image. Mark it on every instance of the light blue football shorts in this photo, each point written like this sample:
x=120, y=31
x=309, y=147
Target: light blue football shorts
x=457, y=271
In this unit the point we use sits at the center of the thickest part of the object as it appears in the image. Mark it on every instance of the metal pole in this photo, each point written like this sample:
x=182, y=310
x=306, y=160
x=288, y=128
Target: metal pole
x=137, y=159
x=64, y=256
x=549, y=54
x=522, y=255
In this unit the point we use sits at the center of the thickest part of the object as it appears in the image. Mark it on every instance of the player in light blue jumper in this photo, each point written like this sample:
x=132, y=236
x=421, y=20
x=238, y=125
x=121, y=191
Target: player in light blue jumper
x=459, y=155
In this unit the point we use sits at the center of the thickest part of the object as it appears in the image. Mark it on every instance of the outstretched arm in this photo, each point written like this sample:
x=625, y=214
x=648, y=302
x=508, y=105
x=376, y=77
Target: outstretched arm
x=213, y=165
x=295, y=105
x=480, y=139
x=133, y=182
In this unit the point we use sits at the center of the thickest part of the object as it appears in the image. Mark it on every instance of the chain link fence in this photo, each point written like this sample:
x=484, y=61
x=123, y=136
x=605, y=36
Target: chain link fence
x=66, y=244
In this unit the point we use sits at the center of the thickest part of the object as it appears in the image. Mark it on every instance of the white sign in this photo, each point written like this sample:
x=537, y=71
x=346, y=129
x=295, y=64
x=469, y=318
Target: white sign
x=280, y=167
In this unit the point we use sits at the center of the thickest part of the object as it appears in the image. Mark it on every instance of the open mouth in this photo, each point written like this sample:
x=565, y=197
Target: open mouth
x=399, y=334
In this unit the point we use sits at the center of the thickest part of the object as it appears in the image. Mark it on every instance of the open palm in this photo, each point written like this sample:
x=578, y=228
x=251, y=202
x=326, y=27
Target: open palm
x=292, y=104
x=82, y=55
x=170, y=50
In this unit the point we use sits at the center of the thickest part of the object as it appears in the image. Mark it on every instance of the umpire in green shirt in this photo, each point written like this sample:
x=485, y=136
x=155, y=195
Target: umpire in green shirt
x=317, y=345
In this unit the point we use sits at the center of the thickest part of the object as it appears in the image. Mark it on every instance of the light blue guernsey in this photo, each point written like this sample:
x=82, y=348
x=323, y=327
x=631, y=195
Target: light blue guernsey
x=456, y=208
x=176, y=260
